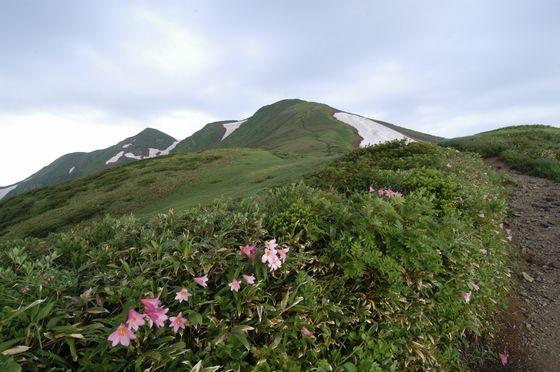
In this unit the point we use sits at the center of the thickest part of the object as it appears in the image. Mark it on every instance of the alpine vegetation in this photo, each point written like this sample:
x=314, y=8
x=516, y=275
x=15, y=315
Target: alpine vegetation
x=391, y=257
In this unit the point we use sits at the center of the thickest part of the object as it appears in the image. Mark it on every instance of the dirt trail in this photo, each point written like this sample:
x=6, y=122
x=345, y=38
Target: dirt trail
x=532, y=333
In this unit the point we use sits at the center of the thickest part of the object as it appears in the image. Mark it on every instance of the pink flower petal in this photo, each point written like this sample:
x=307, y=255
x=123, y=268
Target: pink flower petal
x=201, y=281
x=249, y=279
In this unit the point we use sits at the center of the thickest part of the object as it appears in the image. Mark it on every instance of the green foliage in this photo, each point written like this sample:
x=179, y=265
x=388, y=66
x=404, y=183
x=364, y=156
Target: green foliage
x=531, y=149
x=375, y=279
x=148, y=187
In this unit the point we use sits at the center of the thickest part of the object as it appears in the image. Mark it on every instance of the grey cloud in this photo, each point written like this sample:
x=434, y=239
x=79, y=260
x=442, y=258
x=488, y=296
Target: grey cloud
x=420, y=64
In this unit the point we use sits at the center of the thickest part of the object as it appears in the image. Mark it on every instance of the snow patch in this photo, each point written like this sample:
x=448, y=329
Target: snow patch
x=372, y=132
x=152, y=153
x=6, y=190
x=115, y=158
x=127, y=145
x=169, y=149
x=132, y=156
x=231, y=127
x=71, y=170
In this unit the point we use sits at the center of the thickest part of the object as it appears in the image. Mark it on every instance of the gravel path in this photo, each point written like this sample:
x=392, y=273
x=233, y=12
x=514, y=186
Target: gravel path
x=532, y=333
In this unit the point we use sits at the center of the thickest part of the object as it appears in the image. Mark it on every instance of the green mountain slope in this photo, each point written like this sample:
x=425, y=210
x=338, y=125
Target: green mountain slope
x=281, y=142
x=290, y=125
x=150, y=186
x=70, y=166
x=207, y=138
x=532, y=149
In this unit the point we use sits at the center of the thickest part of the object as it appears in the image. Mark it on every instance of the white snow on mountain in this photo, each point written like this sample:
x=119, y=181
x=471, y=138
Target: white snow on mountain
x=71, y=170
x=372, y=132
x=132, y=156
x=4, y=191
x=152, y=153
x=231, y=127
x=127, y=145
x=115, y=158
x=169, y=149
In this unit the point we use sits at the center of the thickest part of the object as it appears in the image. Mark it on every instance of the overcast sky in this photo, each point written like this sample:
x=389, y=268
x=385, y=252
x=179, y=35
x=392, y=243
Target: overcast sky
x=82, y=75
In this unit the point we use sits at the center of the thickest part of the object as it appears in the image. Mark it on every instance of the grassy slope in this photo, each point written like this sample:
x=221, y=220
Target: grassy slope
x=294, y=126
x=149, y=186
x=207, y=138
x=377, y=280
x=290, y=125
x=532, y=149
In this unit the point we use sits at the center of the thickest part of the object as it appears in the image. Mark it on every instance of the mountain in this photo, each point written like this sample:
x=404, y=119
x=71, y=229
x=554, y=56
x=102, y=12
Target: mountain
x=147, y=144
x=294, y=125
x=279, y=144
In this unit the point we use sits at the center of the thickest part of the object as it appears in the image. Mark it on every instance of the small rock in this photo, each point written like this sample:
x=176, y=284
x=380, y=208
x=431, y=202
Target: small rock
x=527, y=277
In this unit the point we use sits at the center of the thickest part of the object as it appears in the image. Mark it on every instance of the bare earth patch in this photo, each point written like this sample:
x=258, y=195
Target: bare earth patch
x=531, y=335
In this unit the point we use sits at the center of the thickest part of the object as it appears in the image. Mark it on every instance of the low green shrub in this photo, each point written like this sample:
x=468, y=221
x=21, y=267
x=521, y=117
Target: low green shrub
x=369, y=282
x=531, y=149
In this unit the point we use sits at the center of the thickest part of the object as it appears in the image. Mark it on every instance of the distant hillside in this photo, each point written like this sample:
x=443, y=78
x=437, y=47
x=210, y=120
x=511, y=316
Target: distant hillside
x=290, y=125
x=531, y=149
x=150, y=186
x=146, y=144
x=294, y=125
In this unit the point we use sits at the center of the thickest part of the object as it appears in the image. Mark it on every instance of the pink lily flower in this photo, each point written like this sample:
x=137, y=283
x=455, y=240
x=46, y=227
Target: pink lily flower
x=201, y=281
x=508, y=231
x=282, y=253
x=135, y=319
x=157, y=315
x=449, y=165
x=306, y=332
x=483, y=250
x=474, y=286
x=154, y=312
x=182, y=295
x=248, y=250
x=249, y=279
x=509, y=237
x=177, y=322
x=121, y=336
x=466, y=296
x=269, y=255
x=380, y=192
x=150, y=302
x=235, y=285
x=371, y=189
x=271, y=245
x=275, y=263
x=504, y=359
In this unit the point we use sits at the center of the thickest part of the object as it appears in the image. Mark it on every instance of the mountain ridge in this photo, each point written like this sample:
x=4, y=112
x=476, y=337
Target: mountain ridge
x=149, y=142
x=289, y=125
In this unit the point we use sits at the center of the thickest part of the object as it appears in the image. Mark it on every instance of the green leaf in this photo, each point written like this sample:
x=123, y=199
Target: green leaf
x=21, y=310
x=350, y=367
x=45, y=311
x=72, y=345
x=10, y=365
